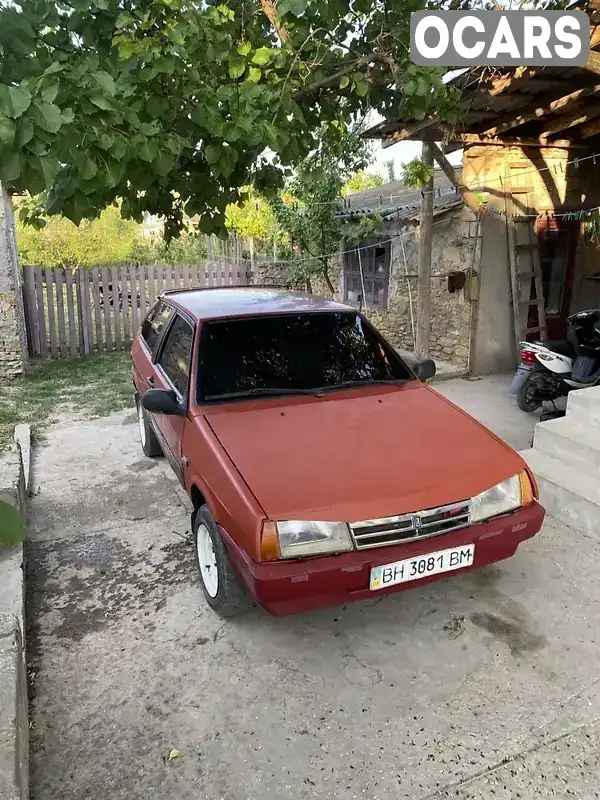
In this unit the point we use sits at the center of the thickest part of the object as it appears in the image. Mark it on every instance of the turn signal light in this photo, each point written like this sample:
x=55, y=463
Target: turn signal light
x=527, y=495
x=269, y=542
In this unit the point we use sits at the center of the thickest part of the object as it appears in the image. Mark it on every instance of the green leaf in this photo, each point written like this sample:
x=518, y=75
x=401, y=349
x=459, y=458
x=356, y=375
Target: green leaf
x=49, y=92
x=89, y=170
x=164, y=162
x=24, y=131
x=212, y=153
x=101, y=101
x=104, y=141
x=7, y=131
x=344, y=81
x=409, y=87
x=361, y=88
x=147, y=150
x=56, y=66
x=421, y=88
x=20, y=98
x=124, y=19
x=113, y=173
x=47, y=116
x=254, y=75
x=67, y=115
x=10, y=167
x=12, y=525
x=244, y=48
x=236, y=69
x=262, y=56
x=295, y=7
x=37, y=146
x=105, y=82
x=49, y=167
x=174, y=753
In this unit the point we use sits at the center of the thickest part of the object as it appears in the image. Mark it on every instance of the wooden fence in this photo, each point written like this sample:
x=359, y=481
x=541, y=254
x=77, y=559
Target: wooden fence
x=97, y=310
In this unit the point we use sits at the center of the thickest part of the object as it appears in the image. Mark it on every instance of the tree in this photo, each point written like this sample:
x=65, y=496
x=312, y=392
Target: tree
x=309, y=214
x=60, y=243
x=360, y=182
x=171, y=105
x=254, y=218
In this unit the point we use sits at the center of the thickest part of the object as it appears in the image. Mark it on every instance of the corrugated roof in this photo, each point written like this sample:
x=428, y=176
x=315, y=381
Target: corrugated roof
x=409, y=213
x=395, y=194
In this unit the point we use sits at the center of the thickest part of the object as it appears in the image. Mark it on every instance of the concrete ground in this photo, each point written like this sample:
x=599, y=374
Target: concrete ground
x=482, y=686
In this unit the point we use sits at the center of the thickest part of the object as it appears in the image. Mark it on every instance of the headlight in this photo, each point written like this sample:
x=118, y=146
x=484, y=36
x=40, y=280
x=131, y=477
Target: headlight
x=297, y=539
x=502, y=498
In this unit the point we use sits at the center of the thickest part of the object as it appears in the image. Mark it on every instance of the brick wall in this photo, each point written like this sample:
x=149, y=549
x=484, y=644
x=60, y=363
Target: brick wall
x=13, y=340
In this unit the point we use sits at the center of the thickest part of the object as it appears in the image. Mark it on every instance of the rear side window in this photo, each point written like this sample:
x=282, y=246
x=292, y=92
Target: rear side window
x=154, y=323
x=176, y=355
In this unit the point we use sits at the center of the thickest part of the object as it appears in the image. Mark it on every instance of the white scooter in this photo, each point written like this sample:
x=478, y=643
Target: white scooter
x=552, y=369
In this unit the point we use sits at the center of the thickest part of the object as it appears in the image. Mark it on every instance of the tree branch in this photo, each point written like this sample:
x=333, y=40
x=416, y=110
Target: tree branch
x=331, y=80
x=269, y=8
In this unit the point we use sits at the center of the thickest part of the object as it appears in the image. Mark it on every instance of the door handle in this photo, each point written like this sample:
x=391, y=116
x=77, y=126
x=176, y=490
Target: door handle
x=150, y=381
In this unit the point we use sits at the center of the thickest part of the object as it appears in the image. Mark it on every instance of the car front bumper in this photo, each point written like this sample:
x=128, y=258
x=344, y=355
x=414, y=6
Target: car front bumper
x=289, y=587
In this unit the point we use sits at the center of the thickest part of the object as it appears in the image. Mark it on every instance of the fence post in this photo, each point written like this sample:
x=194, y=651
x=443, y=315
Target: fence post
x=82, y=311
x=31, y=311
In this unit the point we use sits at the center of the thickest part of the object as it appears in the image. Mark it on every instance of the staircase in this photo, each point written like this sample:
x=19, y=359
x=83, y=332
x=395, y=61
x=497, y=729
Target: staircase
x=565, y=459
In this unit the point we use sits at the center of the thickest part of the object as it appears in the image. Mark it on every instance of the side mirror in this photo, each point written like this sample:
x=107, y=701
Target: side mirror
x=162, y=401
x=424, y=370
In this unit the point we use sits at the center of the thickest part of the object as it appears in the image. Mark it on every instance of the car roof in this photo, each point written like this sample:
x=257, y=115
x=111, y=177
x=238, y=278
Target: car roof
x=237, y=301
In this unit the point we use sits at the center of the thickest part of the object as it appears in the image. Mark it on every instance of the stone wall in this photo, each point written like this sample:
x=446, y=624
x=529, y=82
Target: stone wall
x=13, y=338
x=453, y=251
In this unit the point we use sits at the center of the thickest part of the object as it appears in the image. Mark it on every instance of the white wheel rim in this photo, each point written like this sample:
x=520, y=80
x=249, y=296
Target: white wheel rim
x=207, y=561
x=142, y=424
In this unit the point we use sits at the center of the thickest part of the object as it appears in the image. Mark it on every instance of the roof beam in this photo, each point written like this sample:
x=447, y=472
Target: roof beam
x=546, y=105
x=591, y=129
x=593, y=63
x=516, y=141
x=578, y=117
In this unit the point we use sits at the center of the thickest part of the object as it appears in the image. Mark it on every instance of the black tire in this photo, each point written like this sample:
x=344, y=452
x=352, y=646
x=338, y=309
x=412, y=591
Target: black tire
x=531, y=396
x=229, y=599
x=150, y=444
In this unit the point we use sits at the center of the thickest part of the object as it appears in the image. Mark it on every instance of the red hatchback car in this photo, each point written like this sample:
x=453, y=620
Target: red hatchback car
x=321, y=467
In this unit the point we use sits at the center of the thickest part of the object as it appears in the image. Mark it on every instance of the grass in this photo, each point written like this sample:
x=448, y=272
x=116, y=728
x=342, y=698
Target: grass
x=95, y=386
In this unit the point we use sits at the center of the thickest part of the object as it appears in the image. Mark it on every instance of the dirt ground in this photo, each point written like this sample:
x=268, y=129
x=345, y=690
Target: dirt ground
x=482, y=686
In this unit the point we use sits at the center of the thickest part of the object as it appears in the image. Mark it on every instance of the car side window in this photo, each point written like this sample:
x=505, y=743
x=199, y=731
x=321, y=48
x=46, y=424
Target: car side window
x=176, y=355
x=154, y=323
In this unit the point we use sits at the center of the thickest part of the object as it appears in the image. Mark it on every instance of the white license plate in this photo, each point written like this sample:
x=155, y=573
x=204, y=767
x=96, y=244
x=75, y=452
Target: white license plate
x=411, y=569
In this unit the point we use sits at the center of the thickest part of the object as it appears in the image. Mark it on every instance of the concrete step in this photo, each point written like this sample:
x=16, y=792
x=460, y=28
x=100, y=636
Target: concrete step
x=583, y=406
x=571, y=441
x=567, y=492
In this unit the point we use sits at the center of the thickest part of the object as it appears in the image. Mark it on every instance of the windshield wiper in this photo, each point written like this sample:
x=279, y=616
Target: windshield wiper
x=262, y=393
x=366, y=382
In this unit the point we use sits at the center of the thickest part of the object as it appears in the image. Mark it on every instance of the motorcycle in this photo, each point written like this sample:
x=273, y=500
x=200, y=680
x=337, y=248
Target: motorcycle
x=549, y=370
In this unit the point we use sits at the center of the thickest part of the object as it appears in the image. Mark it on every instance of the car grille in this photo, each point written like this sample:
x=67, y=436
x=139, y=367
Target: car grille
x=409, y=527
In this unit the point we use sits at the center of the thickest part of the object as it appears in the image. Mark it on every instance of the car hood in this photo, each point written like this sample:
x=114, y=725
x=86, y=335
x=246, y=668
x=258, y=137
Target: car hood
x=360, y=454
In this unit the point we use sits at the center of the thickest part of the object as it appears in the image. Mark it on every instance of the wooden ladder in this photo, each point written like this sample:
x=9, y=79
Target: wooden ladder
x=525, y=279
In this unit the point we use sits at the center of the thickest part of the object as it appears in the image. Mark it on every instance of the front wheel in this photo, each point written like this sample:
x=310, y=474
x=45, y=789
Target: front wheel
x=220, y=585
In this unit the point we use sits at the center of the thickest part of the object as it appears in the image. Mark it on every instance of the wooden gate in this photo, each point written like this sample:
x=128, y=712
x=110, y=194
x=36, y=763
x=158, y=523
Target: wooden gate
x=99, y=309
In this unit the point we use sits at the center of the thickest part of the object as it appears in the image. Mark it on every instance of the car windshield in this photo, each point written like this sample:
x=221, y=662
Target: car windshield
x=291, y=353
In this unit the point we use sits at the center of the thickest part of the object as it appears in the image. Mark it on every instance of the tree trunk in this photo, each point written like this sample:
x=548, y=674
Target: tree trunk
x=424, y=282
x=327, y=278
x=13, y=334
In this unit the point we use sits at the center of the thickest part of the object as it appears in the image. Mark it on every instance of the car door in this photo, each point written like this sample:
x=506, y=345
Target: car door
x=146, y=345
x=172, y=371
